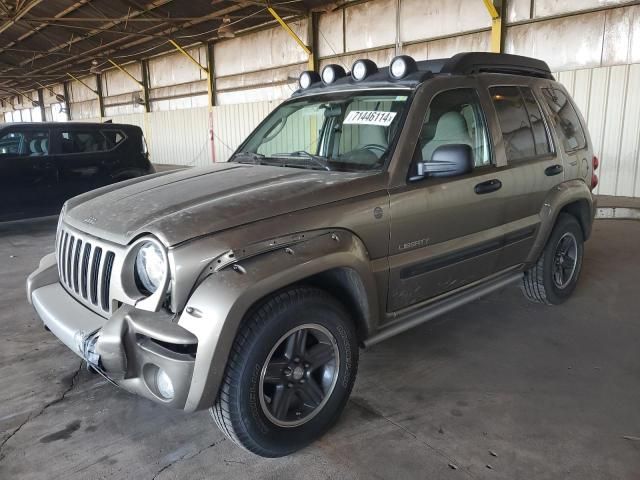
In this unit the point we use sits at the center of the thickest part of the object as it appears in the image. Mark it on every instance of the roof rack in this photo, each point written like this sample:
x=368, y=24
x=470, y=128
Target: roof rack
x=482, y=62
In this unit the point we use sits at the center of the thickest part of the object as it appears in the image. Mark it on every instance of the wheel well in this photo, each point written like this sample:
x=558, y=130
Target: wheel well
x=581, y=210
x=346, y=286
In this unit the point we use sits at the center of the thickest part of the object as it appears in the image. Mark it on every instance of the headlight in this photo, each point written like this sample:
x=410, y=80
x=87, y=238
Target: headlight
x=151, y=266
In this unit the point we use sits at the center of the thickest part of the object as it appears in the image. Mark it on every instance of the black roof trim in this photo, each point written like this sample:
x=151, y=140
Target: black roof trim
x=483, y=62
x=467, y=63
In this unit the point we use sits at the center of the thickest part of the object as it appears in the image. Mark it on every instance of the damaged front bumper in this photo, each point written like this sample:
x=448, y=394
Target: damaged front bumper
x=143, y=352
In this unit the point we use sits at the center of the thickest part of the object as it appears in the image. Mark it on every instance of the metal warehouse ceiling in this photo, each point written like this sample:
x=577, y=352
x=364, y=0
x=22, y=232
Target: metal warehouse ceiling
x=43, y=40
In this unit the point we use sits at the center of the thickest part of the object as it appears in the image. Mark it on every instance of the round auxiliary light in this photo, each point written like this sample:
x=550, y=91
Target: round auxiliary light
x=401, y=66
x=361, y=69
x=331, y=73
x=307, y=78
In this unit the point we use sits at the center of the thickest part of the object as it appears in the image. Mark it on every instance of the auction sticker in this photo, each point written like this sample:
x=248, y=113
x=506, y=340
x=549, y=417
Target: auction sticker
x=364, y=117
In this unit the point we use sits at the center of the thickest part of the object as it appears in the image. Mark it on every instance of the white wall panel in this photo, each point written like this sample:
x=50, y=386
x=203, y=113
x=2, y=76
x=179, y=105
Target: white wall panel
x=179, y=137
x=564, y=43
x=518, y=10
x=330, y=33
x=176, y=68
x=370, y=24
x=421, y=19
x=115, y=82
x=610, y=101
x=261, y=94
x=232, y=124
x=447, y=47
x=260, y=50
x=80, y=93
x=544, y=8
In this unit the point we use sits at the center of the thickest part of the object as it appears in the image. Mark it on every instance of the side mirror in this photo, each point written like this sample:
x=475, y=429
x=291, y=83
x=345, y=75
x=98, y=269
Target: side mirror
x=448, y=161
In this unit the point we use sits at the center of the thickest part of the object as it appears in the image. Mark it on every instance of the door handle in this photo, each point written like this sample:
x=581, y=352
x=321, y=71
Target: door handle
x=553, y=170
x=488, y=186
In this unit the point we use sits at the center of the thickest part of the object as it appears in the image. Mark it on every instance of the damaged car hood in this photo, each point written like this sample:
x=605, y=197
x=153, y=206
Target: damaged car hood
x=191, y=203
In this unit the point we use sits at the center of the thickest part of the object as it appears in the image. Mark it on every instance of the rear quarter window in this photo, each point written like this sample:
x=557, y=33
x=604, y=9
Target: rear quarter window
x=565, y=119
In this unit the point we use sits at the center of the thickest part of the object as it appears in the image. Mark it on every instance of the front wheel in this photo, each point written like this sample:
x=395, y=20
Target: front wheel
x=289, y=374
x=555, y=275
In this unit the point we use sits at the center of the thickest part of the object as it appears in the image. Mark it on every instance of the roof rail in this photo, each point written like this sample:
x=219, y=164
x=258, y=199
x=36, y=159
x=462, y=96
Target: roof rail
x=483, y=62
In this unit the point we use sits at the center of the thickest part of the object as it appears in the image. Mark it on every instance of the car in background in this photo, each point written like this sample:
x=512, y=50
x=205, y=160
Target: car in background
x=42, y=165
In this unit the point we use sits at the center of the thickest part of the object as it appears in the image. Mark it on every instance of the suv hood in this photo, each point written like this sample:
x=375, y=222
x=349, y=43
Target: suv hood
x=191, y=203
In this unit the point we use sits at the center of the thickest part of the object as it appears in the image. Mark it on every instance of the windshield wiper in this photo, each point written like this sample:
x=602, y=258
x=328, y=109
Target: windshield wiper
x=317, y=159
x=248, y=157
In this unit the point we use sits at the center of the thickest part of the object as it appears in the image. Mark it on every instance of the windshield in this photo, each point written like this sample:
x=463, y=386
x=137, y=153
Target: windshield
x=341, y=131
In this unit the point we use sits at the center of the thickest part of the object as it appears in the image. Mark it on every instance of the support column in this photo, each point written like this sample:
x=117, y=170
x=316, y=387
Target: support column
x=67, y=98
x=211, y=96
x=145, y=85
x=43, y=114
x=99, y=94
x=496, y=9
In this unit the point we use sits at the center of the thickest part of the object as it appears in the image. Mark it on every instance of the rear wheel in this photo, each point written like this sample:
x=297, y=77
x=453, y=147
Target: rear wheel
x=290, y=373
x=555, y=275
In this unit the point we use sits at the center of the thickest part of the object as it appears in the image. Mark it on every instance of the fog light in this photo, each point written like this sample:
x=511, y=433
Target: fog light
x=164, y=385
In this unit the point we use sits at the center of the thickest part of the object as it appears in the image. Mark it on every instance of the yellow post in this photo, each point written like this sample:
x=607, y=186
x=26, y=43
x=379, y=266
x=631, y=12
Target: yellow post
x=496, y=26
x=197, y=63
x=293, y=35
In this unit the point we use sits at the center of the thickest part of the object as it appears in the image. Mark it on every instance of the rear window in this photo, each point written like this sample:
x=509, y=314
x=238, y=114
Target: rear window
x=566, y=119
x=90, y=141
x=521, y=121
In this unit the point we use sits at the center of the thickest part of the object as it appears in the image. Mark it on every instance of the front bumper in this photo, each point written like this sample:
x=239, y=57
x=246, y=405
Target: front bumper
x=130, y=347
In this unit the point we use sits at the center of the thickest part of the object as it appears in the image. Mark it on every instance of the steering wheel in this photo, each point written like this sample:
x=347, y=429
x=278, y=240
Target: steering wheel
x=374, y=146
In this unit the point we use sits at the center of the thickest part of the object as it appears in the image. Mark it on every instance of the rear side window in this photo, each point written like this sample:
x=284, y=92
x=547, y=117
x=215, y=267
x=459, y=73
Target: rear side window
x=566, y=119
x=79, y=141
x=113, y=137
x=521, y=121
x=28, y=143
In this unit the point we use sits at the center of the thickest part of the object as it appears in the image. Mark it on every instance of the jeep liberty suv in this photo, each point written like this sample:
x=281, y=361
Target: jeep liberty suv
x=366, y=204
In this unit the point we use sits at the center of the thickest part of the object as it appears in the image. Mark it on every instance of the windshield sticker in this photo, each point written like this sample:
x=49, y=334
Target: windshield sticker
x=363, y=117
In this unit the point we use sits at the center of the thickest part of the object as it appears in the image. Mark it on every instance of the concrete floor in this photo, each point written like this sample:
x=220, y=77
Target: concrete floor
x=552, y=392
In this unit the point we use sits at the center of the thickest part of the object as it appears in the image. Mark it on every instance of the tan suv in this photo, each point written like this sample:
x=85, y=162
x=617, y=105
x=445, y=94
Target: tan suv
x=368, y=203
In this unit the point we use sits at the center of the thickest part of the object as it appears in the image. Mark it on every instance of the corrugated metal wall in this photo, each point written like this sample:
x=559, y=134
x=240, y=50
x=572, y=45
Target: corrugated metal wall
x=609, y=98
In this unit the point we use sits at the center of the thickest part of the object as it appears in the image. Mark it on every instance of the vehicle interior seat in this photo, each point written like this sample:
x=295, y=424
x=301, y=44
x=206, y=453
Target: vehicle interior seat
x=34, y=147
x=44, y=146
x=451, y=129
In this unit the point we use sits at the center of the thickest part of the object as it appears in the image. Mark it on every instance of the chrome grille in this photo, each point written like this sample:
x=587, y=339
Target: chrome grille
x=85, y=268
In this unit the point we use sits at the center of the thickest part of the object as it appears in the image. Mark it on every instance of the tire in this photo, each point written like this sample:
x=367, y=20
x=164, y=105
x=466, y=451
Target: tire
x=263, y=354
x=542, y=283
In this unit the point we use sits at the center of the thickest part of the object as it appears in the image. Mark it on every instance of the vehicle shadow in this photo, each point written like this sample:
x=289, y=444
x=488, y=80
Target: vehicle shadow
x=32, y=227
